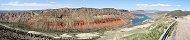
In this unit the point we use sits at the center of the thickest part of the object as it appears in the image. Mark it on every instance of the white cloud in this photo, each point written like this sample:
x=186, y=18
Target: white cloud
x=52, y=2
x=153, y=5
x=16, y=3
x=33, y=6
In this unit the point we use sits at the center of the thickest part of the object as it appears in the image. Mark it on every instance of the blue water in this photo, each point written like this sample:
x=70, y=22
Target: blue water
x=136, y=21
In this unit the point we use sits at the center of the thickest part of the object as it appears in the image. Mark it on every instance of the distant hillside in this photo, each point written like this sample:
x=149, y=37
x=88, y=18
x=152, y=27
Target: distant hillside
x=178, y=13
x=151, y=11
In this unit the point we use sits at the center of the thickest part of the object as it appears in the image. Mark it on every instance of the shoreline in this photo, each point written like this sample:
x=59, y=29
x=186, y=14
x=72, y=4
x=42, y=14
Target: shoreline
x=123, y=32
x=136, y=27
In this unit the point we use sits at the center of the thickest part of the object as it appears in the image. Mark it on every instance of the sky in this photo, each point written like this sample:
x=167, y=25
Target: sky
x=118, y=4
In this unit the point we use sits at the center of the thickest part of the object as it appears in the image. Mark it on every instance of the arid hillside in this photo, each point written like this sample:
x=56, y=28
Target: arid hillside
x=69, y=18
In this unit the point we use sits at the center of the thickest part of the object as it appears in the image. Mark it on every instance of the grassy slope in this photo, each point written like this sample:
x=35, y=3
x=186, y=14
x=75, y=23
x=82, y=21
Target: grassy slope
x=154, y=32
x=178, y=13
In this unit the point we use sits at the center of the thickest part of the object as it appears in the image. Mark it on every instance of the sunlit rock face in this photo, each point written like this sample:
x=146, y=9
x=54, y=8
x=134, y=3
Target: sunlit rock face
x=102, y=22
x=70, y=18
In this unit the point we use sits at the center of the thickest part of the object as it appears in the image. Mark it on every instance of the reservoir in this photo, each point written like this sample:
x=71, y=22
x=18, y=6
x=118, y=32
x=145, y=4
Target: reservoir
x=136, y=21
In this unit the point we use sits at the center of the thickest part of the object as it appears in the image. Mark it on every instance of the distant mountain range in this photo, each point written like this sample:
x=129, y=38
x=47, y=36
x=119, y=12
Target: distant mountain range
x=4, y=11
x=151, y=11
x=1, y=11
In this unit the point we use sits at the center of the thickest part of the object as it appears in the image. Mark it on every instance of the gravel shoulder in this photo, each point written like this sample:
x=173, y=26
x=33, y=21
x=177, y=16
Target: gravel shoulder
x=182, y=31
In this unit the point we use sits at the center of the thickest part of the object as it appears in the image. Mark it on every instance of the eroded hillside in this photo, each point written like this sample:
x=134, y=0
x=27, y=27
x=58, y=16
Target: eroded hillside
x=69, y=18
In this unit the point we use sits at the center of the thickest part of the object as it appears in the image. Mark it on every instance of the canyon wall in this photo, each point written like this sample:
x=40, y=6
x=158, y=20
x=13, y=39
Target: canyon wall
x=69, y=18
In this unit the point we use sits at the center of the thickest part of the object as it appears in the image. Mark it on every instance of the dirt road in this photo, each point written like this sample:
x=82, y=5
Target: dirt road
x=183, y=29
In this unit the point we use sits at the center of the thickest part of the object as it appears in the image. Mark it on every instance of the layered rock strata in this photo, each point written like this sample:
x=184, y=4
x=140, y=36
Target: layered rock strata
x=69, y=18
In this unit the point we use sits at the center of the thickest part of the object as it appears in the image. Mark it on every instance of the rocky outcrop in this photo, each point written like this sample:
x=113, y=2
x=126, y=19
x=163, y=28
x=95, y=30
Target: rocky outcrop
x=69, y=18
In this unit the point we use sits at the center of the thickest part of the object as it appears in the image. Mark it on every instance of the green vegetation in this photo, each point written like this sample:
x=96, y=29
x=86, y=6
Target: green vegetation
x=29, y=28
x=178, y=13
x=16, y=25
x=154, y=32
x=171, y=31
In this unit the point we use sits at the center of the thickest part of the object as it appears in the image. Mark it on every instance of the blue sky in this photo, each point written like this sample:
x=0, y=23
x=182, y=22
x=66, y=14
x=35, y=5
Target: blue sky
x=119, y=4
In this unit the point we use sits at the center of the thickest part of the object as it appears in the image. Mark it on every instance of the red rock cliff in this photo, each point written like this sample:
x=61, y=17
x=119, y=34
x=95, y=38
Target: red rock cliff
x=69, y=18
